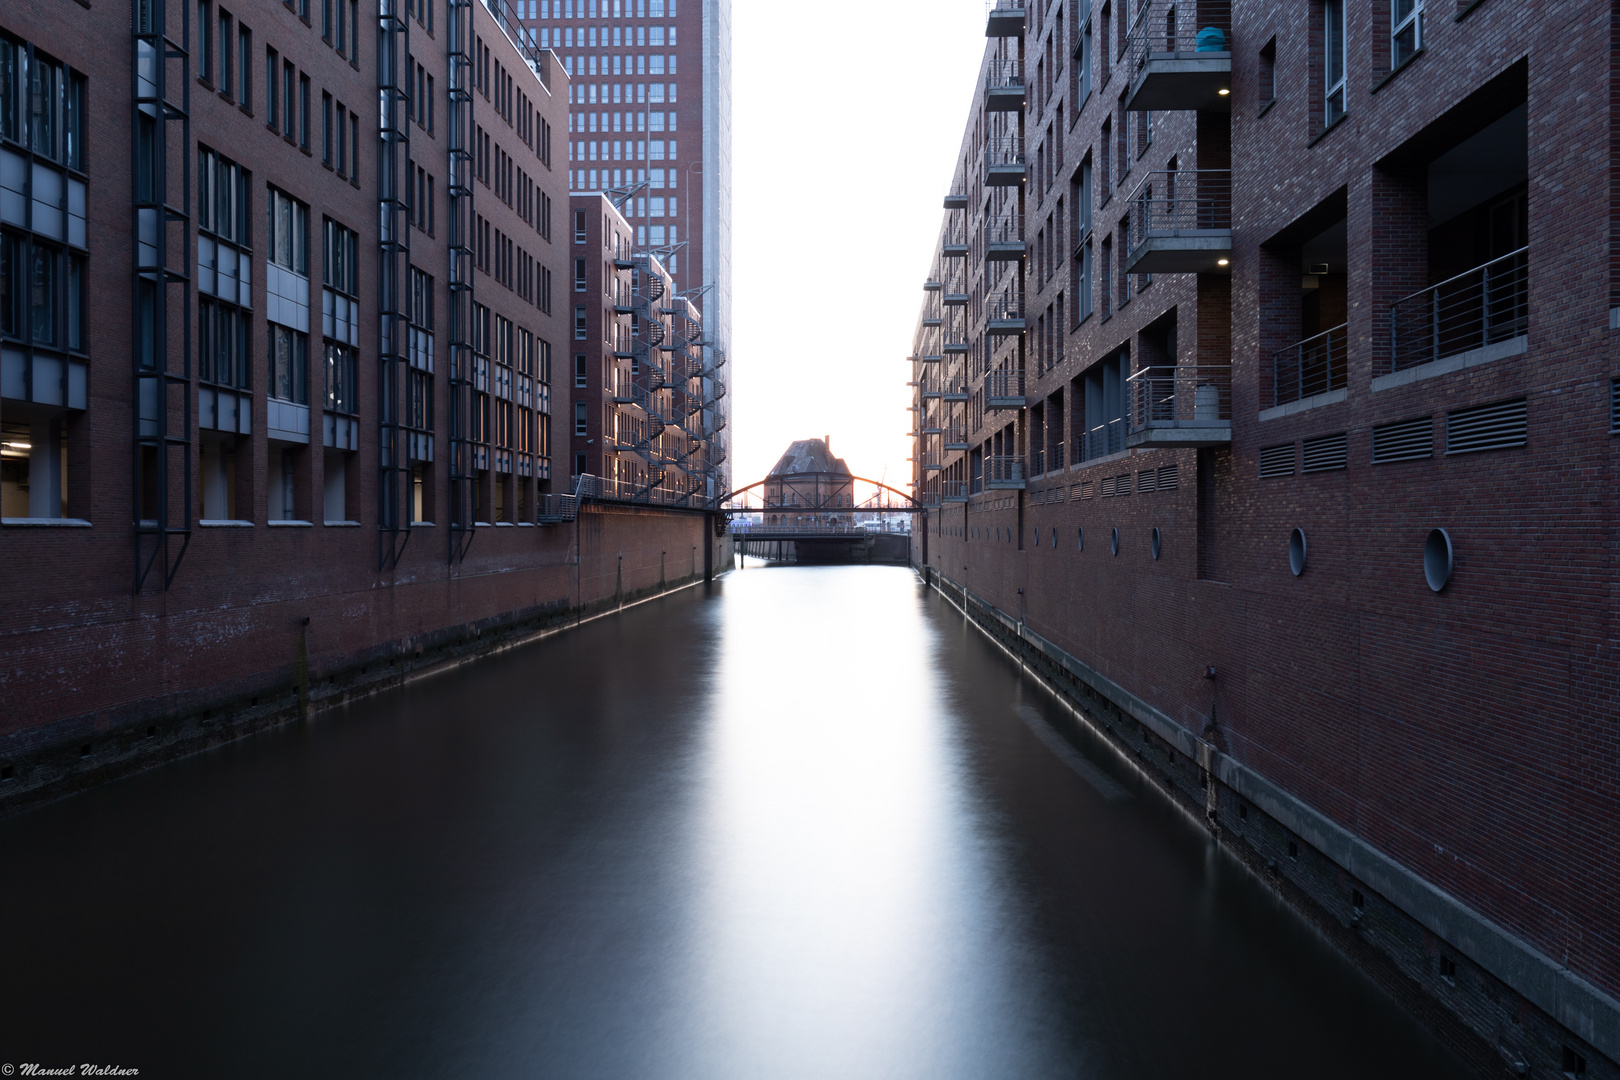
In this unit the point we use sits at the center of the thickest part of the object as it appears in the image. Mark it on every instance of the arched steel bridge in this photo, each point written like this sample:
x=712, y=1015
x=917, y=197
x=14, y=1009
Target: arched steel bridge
x=884, y=500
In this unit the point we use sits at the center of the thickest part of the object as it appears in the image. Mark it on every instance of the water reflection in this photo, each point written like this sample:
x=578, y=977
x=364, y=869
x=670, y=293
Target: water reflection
x=805, y=825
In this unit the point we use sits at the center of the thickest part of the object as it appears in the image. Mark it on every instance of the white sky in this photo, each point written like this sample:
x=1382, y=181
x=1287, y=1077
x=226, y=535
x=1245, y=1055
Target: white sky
x=845, y=124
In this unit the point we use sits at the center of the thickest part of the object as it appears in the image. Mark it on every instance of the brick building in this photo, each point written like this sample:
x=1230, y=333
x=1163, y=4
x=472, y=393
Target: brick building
x=236, y=492
x=650, y=124
x=1266, y=392
x=807, y=476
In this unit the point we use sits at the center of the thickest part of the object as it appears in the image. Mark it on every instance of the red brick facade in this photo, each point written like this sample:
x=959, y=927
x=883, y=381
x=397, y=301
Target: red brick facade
x=1466, y=735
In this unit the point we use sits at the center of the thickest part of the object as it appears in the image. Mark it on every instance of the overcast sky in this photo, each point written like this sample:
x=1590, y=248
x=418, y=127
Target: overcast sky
x=846, y=121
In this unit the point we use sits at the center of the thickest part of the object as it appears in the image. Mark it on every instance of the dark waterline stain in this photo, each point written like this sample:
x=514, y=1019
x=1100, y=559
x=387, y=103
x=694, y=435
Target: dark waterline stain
x=805, y=823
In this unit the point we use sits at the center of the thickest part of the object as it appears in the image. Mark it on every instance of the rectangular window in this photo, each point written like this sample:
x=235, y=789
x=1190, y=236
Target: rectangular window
x=579, y=275
x=581, y=370
x=289, y=365
x=582, y=424
x=289, y=100
x=340, y=270
x=342, y=394
x=289, y=224
x=579, y=323
x=272, y=72
x=303, y=111
x=1333, y=61
x=1267, y=75
x=244, y=76
x=205, y=50
x=222, y=344
x=326, y=128
x=1405, y=31
x=227, y=82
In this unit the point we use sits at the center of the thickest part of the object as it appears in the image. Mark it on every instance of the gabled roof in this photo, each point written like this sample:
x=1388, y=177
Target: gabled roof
x=809, y=456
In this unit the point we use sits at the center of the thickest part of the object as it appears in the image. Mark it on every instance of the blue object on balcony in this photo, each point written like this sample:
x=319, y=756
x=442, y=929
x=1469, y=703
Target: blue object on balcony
x=1212, y=39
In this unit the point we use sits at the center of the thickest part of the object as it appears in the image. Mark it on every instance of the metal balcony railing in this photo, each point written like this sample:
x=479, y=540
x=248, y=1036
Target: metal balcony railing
x=1004, y=471
x=1180, y=203
x=1004, y=150
x=953, y=235
x=1004, y=236
x=1004, y=18
x=1181, y=395
x=1004, y=84
x=1480, y=307
x=1178, y=28
x=1005, y=306
x=1037, y=462
x=954, y=491
x=955, y=435
x=1054, y=457
x=1004, y=383
x=1103, y=439
x=1314, y=366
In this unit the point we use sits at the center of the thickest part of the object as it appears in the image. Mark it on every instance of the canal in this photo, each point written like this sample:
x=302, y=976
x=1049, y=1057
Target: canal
x=804, y=823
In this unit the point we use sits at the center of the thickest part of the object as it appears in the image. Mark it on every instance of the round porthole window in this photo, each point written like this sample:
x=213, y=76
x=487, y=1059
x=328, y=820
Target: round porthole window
x=1080, y=538
x=1438, y=559
x=1115, y=542
x=1296, y=551
x=1157, y=543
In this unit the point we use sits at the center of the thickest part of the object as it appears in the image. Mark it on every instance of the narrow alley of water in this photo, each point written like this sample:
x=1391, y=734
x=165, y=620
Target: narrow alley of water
x=803, y=823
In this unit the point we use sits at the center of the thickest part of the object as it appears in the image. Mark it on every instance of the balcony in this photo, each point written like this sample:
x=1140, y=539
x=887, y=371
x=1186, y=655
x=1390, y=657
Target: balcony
x=953, y=491
x=1180, y=56
x=1004, y=472
x=1308, y=368
x=1103, y=440
x=954, y=389
x=1004, y=161
x=1479, y=315
x=930, y=388
x=1004, y=239
x=956, y=200
x=933, y=285
x=930, y=462
x=1004, y=389
x=957, y=347
x=1004, y=18
x=1186, y=405
x=953, y=243
x=1004, y=86
x=1004, y=312
x=956, y=437
x=1181, y=223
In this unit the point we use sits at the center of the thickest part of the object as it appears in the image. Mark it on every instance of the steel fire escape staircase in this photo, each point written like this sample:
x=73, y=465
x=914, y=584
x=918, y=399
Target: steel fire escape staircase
x=162, y=376
x=463, y=474
x=394, y=261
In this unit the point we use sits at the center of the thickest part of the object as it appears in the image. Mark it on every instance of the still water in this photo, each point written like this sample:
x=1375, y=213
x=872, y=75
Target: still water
x=805, y=823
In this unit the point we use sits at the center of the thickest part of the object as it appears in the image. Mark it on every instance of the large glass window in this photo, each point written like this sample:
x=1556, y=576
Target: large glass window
x=289, y=232
x=289, y=365
x=341, y=391
x=222, y=335
x=340, y=270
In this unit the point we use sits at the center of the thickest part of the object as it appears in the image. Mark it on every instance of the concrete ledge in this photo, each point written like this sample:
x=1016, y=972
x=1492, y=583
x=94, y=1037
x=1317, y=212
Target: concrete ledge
x=341, y=524
x=224, y=523
x=1315, y=401
x=291, y=523
x=1583, y=1008
x=1472, y=358
x=45, y=523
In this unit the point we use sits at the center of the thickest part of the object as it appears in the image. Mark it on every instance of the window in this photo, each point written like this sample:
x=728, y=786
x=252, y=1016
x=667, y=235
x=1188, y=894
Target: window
x=581, y=421
x=303, y=112
x=326, y=129
x=244, y=74
x=1333, y=61
x=579, y=275
x=227, y=81
x=205, y=50
x=579, y=323
x=580, y=371
x=1405, y=30
x=340, y=270
x=222, y=344
x=289, y=100
x=341, y=392
x=289, y=364
x=272, y=71
x=1268, y=73
x=579, y=226
x=289, y=240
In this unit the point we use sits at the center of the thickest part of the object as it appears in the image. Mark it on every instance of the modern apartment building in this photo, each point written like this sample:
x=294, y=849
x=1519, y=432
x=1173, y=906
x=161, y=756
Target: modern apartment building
x=650, y=126
x=227, y=491
x=644, y=403
x=1266, y=401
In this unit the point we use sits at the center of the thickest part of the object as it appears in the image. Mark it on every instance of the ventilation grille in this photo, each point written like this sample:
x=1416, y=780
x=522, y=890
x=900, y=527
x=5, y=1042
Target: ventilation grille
x=1614, y=406
x=1500, y=426
x=1083, y=490
x=1277, y=460
x=1326, y=453
x=1168, y=478
x=1107, y=486
x=1122, y=484
x=1146, y=480
x=1406, y=440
